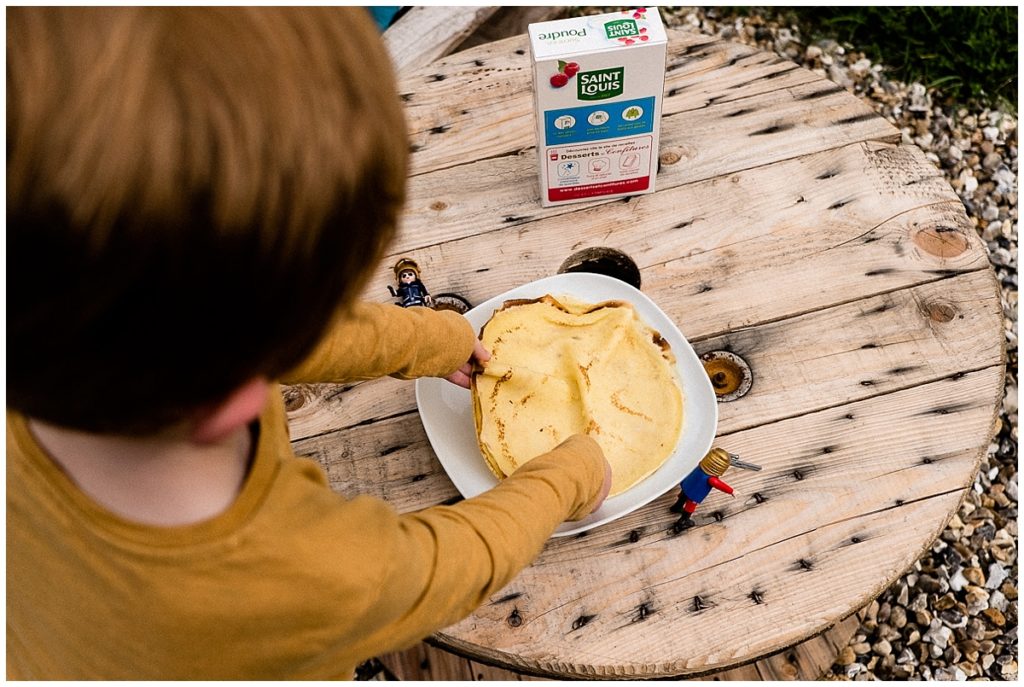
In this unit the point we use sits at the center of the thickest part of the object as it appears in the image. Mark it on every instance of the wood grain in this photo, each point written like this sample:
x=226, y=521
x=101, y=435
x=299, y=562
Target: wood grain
x=423, y=34
x=790, y=227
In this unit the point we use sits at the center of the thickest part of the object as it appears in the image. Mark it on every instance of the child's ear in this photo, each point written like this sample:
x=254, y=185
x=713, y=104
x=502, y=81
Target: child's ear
x=239, y=408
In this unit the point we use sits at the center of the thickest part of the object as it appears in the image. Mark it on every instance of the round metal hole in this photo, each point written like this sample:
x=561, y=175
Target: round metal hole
x=606, y=261
x=729, y=374
x=451, y=301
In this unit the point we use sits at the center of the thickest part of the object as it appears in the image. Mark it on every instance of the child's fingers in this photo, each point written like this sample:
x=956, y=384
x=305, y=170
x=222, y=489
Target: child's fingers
x=480, y=353
x=459, y=377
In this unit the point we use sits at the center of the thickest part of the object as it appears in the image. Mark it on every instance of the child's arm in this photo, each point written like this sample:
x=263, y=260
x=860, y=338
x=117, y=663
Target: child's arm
x=377, y=339
x=430, y=569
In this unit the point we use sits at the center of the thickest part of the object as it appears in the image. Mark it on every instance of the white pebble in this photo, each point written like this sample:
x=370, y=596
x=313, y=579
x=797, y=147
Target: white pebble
x=957, y=582
x=970, y=182
x=991, y=133
x=996, y=575
x=998, y=601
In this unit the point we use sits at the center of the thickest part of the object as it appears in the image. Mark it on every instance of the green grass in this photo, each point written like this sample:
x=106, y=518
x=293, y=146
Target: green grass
x=968, y=53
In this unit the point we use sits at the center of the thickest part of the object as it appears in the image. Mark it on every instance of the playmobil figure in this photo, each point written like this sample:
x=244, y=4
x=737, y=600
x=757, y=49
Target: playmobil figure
x=705, y=477
x=411, y=290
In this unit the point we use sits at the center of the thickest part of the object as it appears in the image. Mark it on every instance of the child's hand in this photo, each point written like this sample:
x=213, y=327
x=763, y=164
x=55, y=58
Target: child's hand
x=462, y=375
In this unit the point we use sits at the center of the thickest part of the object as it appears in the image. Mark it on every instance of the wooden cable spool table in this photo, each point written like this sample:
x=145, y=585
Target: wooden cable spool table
x=790, y=228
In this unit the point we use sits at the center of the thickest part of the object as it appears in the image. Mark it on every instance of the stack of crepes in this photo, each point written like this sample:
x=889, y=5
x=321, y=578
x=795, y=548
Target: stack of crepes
x=563, y=367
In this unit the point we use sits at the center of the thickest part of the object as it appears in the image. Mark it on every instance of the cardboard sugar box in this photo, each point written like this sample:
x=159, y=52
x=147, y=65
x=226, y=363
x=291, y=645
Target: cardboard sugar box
x=598, y=88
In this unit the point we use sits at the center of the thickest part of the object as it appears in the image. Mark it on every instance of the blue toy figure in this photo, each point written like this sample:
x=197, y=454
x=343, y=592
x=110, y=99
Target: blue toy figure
x=705, y=477
x=411, y=290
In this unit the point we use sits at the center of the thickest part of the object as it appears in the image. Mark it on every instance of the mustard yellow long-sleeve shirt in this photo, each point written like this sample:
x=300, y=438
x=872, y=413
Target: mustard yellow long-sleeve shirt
x=293, y=581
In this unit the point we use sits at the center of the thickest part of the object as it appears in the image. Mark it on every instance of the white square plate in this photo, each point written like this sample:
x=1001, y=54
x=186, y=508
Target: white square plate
x=447, y=410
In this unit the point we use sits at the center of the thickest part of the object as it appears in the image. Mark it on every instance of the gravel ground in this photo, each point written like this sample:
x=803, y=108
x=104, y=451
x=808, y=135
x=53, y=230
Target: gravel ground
x=953, y=616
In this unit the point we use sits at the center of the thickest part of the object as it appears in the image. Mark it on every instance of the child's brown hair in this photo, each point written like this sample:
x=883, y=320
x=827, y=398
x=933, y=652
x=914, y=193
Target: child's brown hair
x=191, y=194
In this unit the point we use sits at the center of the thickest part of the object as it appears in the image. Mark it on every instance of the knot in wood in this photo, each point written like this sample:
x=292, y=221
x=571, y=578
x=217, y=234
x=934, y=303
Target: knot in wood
x=439, y=205
x=939, y=312
x=670, y=157
x=941, y=241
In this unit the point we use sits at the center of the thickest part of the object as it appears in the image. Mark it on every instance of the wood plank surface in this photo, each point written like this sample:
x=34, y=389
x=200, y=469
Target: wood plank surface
x=806, y=661
x=425, y=33
x=789, y=227
x=799, y=536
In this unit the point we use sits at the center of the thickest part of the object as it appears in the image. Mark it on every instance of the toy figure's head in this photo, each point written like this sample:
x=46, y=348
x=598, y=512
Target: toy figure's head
x=716, y=462
x=407, y=271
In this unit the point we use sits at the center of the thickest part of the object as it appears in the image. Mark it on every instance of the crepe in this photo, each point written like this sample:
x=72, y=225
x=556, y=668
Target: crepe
x=560, y=367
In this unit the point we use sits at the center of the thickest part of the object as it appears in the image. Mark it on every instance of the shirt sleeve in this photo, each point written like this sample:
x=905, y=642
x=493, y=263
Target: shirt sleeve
x=436, y=566
x=372, y=340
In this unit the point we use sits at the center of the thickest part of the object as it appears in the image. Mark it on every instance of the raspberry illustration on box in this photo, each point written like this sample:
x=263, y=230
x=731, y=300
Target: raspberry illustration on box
x=566, y=70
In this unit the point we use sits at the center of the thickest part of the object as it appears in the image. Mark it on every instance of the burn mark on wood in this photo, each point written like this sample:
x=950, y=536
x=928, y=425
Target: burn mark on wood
x=509, y=219
x=739, y=113
x=759, y=497
x=642, y=612
x=956, y=376
x=855, y=539
x=704, y=288
x=452, y=501
x=927, y=460
x=514, y=619
x=757, y=596
x=838, y=204
x=866, y=117
x=832, y=448
x=701, y=604
x=478, y=62
x=508, y=597
x=582, y=535
x=867, y=382
x=947, y=409
x=801, y=199
x=822, y=94
x=520, y=51
x=582, y=621
x=828, y=175
x=481, y=270
x=944, y=273
x=774, y=129
x=799, y=475
x=899, y=502
x=440, y=129
x=718, y=515
x=879, y=272
x=804, y=564
x=634, y=536
x=419, y=478
x=673, y=92
x=848, y=416
x=903, y=370
x=683, y=225
x=393, y=449
x=438, y=77
x=869, y=346
x=406, y=97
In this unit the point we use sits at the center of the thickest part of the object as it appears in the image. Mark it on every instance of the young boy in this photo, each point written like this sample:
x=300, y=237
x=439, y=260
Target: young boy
x=195, y=198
